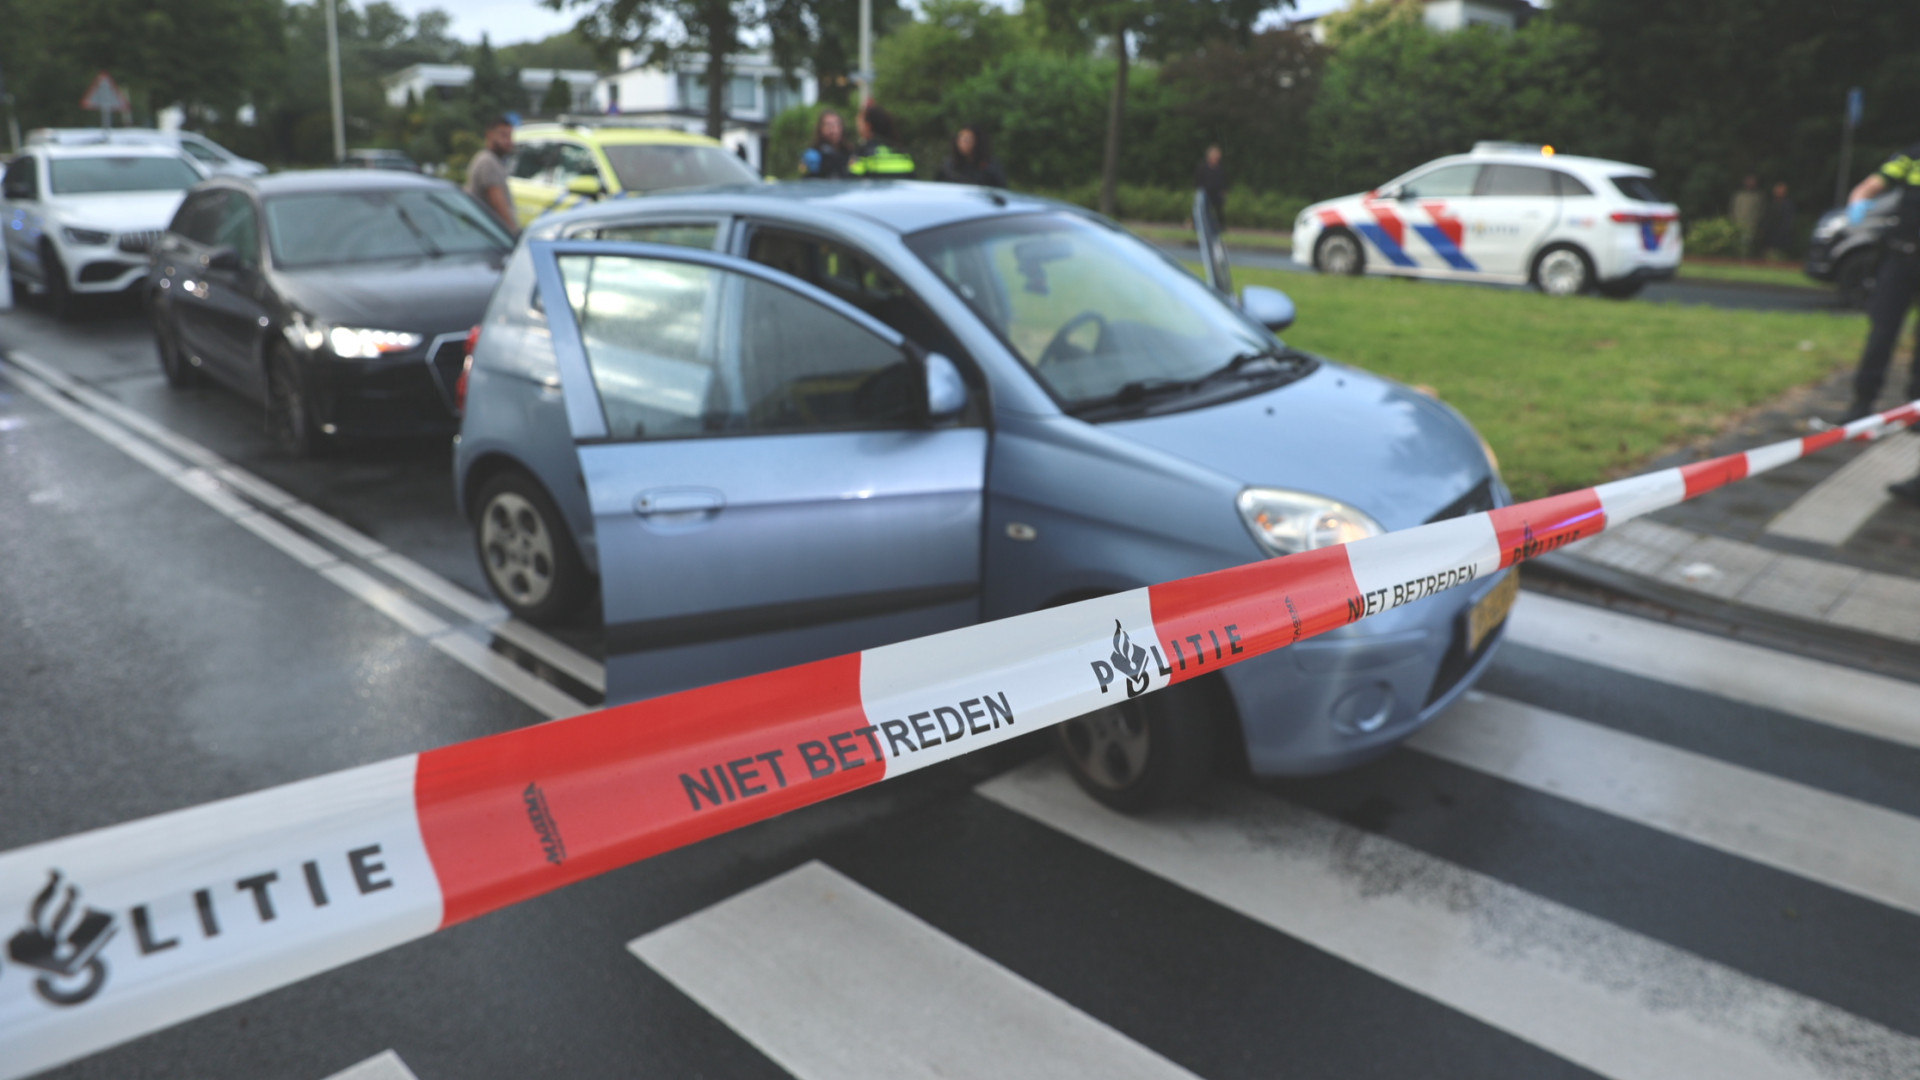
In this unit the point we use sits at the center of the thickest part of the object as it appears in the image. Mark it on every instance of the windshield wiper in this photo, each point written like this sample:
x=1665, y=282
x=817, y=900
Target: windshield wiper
x=1140, y=391
x=1292, y=358
x=433, y=249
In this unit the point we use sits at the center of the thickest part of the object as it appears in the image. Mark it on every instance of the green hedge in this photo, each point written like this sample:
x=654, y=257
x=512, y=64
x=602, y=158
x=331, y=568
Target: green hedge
x=1716, y=236
x=1246, y=208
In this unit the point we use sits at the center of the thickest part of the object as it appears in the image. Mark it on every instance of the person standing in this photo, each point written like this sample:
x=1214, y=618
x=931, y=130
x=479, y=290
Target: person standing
x=1748, y=206
x=970, y=162
x=877, y=158
x=1897, y=283
x=1211, y=178
x=826, y=158
x=487, y=174
x=1776, y=226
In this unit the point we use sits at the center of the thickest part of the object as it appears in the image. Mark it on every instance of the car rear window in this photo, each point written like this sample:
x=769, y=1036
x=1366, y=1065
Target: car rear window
x=659, y=168
x=99, y=175
x=1638, y=187
x=373, y=226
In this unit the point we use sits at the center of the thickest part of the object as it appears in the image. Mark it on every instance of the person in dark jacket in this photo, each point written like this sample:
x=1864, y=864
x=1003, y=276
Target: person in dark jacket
x=827, y=156
x=1211, y=178
x=971, y=162
x=1776, y=226
x=1895, y=289
x=877, y=157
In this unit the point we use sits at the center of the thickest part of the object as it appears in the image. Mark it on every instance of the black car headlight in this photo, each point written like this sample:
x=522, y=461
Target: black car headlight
x=86, y=237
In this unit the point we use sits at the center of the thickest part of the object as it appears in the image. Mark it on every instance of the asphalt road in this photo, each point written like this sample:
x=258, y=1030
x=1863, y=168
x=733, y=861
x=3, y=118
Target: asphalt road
x=1579, y=872
x=1738, y=296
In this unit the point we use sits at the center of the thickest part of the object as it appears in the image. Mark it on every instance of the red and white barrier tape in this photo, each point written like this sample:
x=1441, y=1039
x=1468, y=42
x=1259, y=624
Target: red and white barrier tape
x=132, y=928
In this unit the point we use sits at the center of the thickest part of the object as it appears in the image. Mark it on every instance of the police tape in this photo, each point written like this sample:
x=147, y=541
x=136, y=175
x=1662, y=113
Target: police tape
x=135, y=927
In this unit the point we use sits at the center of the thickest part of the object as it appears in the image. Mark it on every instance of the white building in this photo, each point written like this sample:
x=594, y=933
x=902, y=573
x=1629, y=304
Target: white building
x=757, y=91
x=447, y=80
x=1446, y=16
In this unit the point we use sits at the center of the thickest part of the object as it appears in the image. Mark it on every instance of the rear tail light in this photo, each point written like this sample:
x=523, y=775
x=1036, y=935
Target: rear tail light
x=1627, y=217
x=466, y=369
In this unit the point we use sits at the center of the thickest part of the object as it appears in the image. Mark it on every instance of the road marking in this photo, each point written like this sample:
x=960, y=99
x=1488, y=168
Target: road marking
x=385, y=1065
x=211, y=480
x=1834, y=509
x=831, y=981
x=1825, y=693
x=1610, y=1000
x=1835, y=841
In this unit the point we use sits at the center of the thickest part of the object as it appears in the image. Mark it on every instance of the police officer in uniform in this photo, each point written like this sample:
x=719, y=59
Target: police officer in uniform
x=1894, y=289
x=876, y=158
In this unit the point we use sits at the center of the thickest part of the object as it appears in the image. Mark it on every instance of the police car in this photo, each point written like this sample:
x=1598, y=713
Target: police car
x=1507, y=213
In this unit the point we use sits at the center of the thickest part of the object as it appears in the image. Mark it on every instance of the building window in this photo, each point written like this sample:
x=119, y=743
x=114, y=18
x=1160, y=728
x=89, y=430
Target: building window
x=743, y=92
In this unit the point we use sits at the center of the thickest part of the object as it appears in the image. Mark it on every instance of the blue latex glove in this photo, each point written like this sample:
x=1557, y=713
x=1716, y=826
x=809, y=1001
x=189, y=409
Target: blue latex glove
x=810, y=162
x=1856, y=211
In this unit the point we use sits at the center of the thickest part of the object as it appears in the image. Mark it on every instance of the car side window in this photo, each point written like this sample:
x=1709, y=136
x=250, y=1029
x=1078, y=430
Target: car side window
x=22, y=180
x=199, y=152
x=702, y=235
x=1446, y=182
x=576, y=160
x=679, y=351
x=529, y=159
x=1518, y=181
x=198, y=218
x=854, y=277
x=239, y=228
x=1570, y=186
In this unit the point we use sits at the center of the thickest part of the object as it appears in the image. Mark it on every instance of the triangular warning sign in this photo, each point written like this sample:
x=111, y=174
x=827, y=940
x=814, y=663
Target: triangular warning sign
x=103, y=95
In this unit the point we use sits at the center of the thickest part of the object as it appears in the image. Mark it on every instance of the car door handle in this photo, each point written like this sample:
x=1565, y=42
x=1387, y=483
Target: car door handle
x=678, y=501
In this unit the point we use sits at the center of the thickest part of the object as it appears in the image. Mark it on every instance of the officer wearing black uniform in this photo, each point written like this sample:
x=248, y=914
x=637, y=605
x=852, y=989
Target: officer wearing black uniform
x=876, y=158
x=1894, y=289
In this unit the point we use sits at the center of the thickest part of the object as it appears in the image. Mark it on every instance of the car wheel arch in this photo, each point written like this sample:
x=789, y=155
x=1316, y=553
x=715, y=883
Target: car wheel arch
x=1540, y=256
x=1340, y=231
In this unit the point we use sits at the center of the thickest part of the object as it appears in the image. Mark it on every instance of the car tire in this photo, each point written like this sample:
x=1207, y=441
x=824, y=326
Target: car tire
x=180, y=372
x=1623, y=289
x=1853, y=279
x=289, y=413
x=1339, y=252
x=1563, y=270
x=56, y=291
x=526, y=550
x=1148, y=752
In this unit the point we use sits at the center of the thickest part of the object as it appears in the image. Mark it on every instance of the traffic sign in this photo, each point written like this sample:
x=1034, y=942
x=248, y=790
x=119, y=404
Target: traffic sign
x=104, y=96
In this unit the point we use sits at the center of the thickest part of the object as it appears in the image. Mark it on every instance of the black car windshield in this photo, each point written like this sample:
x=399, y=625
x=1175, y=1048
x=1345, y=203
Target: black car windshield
x=1091, y=310
x=1638, y=187
x=101, y=175
x=375, y=226
x=658, y=167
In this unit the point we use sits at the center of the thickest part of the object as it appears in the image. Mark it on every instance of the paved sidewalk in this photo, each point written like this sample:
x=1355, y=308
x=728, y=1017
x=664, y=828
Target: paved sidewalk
x=1817, y=541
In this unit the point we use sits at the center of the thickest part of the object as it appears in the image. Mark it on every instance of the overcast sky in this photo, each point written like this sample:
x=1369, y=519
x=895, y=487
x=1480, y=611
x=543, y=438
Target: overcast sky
x=509, y=21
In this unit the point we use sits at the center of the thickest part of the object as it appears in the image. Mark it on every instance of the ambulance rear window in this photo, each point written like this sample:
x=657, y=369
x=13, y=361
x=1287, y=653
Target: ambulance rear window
x=1638, y=187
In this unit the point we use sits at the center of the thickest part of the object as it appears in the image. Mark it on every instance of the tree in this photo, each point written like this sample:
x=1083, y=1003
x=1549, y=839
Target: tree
x=918, y=66
x=666, y=30
x=494, y=90
x=1253, y=99
x=558, y=98
x=1160, y=28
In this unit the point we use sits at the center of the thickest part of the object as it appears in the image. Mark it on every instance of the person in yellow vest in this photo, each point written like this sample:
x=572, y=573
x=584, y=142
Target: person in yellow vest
x=876, y=158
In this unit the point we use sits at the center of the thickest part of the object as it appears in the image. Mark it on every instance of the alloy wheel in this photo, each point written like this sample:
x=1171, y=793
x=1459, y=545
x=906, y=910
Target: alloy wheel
x=1109, y=747
x=1339, y=255
x=1562, y=273
x=518, y=549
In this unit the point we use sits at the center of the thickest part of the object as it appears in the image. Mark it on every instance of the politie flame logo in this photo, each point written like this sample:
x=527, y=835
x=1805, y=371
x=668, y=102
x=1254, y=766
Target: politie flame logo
x=1129, y=660
x=64, y=948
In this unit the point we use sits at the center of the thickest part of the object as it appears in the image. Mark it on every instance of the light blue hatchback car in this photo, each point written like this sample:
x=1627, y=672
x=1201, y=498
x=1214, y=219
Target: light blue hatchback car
x=779, y=423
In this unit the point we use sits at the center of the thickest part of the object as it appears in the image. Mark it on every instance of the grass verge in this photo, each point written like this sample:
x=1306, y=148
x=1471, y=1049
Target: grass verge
x=1748, y=273
x=1568, y=392
x=1252, y=239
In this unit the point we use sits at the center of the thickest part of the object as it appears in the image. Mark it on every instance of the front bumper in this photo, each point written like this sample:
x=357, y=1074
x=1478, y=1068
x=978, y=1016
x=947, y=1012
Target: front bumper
x=410, y=394
x=1348, y=696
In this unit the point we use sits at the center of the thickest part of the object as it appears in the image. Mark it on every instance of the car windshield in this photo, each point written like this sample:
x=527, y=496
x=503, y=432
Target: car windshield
x=374, y=226
x=1091, y=310
x=657, y=167
x=1638, y=187
x=104, y=174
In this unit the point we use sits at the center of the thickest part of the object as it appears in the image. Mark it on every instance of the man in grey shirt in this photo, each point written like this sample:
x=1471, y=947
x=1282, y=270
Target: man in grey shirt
x=487, y=174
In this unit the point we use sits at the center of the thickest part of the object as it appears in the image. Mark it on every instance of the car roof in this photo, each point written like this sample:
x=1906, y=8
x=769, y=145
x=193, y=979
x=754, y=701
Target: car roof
x=903, y=206
x=104, y=149
x=1569, y=161
x=308, y=181
x=615, y=134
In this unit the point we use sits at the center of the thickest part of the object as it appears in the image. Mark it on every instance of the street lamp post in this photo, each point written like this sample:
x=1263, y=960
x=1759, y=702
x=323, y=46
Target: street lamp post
x=333, y=78
x=866, y=51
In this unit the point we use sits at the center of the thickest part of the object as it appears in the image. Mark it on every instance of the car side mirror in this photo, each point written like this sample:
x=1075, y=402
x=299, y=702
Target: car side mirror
x=221, y=258
x=586, y=185
x=946, y=390
x=1270, y=308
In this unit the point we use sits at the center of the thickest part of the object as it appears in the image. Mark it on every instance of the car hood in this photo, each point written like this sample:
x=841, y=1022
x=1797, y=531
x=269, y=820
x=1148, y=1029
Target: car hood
x=119, y=211
x=428, y=296
x=1395, y=453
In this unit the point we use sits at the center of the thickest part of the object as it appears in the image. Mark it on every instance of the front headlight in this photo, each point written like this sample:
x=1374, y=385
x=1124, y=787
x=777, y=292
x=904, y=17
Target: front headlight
x=85, y=237
x=1830, y=226
x=1286, y=522
x=348, y=343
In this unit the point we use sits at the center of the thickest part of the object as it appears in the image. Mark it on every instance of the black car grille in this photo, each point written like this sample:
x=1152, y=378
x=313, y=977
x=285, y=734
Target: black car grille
x=140, y=242
x=1479, y=500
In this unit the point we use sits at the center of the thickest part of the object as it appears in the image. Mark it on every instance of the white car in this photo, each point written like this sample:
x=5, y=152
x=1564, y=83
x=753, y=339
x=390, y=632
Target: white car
x=215, y=159
x=1503, y=213
x=80, y=219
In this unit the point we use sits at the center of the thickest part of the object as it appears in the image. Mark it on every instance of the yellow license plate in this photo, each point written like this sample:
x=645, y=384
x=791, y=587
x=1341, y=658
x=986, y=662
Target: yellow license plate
x=1491, y=611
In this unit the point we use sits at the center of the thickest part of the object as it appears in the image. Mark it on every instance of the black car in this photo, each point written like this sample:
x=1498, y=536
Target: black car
x=341, y=300
x=1849, y=255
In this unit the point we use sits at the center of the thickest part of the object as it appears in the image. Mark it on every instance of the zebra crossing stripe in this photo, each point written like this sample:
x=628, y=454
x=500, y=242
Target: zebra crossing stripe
x=142, y=925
